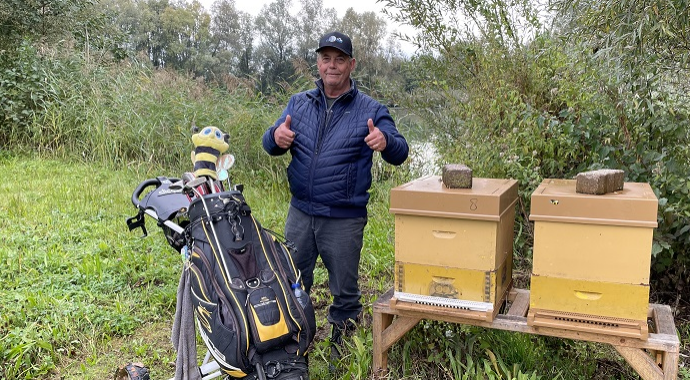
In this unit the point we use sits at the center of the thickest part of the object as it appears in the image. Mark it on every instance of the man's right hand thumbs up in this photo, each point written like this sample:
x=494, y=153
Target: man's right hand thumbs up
x=283, y=135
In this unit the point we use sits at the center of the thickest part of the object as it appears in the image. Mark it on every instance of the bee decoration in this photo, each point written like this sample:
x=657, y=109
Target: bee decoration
x=209, y=145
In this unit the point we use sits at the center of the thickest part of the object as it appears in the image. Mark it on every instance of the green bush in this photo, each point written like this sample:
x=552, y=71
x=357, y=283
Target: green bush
x=127, y=113
x=24, y=93
x=550, y=111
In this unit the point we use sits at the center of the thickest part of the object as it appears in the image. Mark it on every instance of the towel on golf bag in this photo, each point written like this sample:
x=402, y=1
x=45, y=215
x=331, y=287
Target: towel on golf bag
x=183, y=333
x=242, y=289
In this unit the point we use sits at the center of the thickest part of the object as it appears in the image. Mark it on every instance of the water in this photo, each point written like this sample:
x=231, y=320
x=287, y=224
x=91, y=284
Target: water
x=423, y=159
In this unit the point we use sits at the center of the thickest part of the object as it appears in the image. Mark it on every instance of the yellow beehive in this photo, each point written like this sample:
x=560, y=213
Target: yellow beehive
x=454, y=247
x=591, y=257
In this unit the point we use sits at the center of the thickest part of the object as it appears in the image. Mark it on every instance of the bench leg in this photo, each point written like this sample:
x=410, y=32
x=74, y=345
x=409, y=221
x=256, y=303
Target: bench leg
x=386, y=332
x=380, y=323
x=670, y=365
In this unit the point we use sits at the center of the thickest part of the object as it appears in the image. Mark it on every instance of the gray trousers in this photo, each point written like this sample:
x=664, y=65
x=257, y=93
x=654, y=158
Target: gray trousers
x=339, y=243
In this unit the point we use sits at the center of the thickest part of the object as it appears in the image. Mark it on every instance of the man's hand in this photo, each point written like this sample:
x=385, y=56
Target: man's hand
x=283, y=135
x=375, y=139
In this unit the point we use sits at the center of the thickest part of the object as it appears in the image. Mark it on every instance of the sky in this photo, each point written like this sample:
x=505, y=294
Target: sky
x=253, y=7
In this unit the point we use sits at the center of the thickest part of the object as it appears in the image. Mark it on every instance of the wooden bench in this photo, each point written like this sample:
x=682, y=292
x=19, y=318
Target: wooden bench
x=653, y=359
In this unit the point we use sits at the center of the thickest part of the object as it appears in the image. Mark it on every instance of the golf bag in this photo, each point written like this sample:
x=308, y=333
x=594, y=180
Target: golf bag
x=248, y=302
x=250, y=309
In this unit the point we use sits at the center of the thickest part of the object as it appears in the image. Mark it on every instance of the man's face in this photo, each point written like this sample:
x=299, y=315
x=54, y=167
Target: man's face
x=335, y=68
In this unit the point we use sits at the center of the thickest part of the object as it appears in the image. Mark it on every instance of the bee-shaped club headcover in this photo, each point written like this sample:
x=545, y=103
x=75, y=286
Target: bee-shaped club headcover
x=209, y=144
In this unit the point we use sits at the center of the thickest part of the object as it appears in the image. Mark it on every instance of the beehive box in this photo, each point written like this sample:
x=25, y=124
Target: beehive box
x=453, y=247
x=591, y=258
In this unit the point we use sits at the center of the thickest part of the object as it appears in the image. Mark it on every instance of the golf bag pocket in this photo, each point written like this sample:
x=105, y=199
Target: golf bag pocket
x=218, y=326
x=266, y=312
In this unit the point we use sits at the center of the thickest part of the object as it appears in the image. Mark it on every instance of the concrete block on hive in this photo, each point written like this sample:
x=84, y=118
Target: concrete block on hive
x=600, y=181
x=457, y=176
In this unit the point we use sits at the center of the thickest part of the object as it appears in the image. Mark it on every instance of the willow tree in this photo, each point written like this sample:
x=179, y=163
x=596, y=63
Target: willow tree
x=643, y=35
x=645, y=48
x=592, y=84
x=368, y=32
x=277, y=35
x=311, y=24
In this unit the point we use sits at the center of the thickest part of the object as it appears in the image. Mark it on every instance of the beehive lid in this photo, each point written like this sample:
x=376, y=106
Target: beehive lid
x=556, y=200
x=488, y=198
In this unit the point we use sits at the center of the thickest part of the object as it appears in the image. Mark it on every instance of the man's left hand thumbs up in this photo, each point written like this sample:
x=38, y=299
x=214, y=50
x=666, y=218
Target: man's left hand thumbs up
x=375, y=139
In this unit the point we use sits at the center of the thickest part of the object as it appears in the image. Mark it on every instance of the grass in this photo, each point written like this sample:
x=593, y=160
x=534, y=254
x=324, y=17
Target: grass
x=83, y=295
x=74, y=279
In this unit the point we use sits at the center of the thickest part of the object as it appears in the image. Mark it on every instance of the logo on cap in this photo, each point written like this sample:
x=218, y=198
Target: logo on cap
x=334, y=39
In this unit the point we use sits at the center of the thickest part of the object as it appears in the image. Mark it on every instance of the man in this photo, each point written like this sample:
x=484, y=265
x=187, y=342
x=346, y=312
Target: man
x=332, y=133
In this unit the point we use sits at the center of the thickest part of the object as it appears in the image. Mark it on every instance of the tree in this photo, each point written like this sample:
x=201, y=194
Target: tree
x=225, y=36
x=442, y=24
x=640, y=34
x=277, y=33
x=173, y=35
x=225, y=26
x=367, y=31
x=246, y=38
x=50, y=21
x=311, y=24
x=602, y=91
x=124, y=27
x=185, y=31
x=150, y=36
x=644, y=47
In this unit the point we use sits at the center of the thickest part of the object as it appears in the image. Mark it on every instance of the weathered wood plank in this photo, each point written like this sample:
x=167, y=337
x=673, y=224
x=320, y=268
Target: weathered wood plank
x=396, y=330
x=641, y=362
x=670, y=365
x=380, y=322
x=388, y=330
x=663, y=319
x=520, y=304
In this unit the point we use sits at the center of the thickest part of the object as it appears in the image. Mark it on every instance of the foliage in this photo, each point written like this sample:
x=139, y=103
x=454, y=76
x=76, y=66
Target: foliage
x=311, y=24
x=37, y=20
x=443, y=24
x=130, y=114
x=551, y=109
x=185, y=34
x=231, y=40
x=531, y=104
x=644, y=36
x=645, y=47
x=279, y=31
x=272, y=48
x=443, y=350
x=80, y=24
x=367, y=31
x=23, y=92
